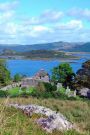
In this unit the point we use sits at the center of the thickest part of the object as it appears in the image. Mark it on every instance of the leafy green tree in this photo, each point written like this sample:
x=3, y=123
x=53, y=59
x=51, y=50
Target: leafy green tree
x=55, y=74
x=4, y=74
x=17, y=78
x=82, y=78
x=63, y=74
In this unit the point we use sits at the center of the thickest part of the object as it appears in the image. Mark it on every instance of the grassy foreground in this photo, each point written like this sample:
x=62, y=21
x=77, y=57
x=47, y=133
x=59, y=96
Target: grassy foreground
x=14, y=122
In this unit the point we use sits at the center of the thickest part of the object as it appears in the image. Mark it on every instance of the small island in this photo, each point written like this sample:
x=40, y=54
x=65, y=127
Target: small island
x=37, y=55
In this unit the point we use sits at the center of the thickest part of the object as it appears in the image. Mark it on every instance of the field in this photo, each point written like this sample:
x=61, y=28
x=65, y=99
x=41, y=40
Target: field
x=14, y=122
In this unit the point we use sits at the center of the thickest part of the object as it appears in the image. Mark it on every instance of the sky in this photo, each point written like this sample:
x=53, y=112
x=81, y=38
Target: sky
x=41, y=21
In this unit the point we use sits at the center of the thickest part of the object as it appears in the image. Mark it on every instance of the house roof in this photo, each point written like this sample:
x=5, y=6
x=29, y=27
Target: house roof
x=41, y=73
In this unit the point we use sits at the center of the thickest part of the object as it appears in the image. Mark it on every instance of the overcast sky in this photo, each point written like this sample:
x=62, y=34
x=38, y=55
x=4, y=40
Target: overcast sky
x=40, y=21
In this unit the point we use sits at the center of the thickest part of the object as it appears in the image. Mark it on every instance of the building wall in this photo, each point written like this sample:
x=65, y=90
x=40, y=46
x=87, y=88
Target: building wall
x=33, y=81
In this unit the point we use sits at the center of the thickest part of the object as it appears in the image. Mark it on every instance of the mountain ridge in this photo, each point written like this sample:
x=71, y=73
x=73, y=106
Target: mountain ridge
x=60, y=46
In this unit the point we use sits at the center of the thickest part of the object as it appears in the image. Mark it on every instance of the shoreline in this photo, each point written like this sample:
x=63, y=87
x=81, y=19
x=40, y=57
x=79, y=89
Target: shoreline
x=74, y=56
x=50, y=59
x=38, y=58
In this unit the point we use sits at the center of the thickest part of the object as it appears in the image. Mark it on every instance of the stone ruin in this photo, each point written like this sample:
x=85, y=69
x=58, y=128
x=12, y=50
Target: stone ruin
x=40, y=76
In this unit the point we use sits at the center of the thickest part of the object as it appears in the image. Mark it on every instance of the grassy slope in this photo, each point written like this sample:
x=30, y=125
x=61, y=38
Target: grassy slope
x=14, y=122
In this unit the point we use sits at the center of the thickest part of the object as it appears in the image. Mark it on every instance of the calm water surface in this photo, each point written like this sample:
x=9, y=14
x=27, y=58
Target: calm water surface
x=30, y=67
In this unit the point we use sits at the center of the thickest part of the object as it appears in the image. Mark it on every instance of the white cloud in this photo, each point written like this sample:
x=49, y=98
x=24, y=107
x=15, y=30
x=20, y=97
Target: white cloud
x=71, y=25
x=33, y=31
x=52, y=15
x=47, y=27
x=5, y=6
x=11, y=28
x=7, y=11
x=8, y=29
x=48, y=16
x=6, y=16
x=40, y=28
x=27, y=34
x=80, y=13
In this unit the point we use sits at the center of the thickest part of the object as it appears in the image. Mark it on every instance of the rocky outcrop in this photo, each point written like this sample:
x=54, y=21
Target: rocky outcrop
x=53, y=120
x=84, y=92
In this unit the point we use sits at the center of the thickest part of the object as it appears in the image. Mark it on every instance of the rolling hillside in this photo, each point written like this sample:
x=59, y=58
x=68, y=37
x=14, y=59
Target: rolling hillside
x=83, y=48
x=61, y=46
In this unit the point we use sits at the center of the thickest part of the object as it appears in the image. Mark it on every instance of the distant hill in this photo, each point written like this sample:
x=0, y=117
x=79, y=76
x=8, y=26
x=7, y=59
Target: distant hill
x=83, y=48
x=61, y=46
x=45, y=46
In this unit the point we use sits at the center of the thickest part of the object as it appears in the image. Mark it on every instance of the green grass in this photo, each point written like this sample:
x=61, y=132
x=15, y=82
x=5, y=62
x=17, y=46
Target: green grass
x=14, y=122
x=15, y=91
x=62, y=90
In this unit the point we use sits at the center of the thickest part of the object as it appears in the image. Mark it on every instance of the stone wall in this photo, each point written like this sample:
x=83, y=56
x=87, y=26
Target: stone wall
x=13, y=85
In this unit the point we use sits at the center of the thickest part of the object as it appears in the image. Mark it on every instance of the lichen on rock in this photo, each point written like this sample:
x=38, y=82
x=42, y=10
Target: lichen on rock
x=53, y=121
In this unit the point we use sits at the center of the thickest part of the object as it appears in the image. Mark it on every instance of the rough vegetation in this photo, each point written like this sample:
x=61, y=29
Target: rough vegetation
x=83, y=76
x=14, y=122
x=4, y=74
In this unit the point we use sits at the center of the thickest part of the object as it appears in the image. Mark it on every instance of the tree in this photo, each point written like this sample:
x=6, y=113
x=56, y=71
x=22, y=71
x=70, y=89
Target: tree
x=17, y=78
x=63, y=74
x=82, y=79
x=4, y=74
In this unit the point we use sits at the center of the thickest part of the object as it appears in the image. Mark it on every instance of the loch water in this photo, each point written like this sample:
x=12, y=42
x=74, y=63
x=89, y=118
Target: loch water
x=30, y=67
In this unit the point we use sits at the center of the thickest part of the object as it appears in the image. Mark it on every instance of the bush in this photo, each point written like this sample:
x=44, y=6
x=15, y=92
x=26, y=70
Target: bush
x=24, y=94
x=17, y=78
x=36, y=93
x=40, y=87
x=4, y=74
x=46, y=95
x=49, y=87
x=44, y=90
x=46, y=87
x=3, y=93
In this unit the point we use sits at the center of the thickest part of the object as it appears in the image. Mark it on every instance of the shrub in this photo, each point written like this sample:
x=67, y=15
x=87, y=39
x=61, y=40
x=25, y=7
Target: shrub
x=46, y=87
x=49, y=87
x=17, y=78
x=44, y=90
x=4, y=74
x=40, y=87
x=3, y=93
